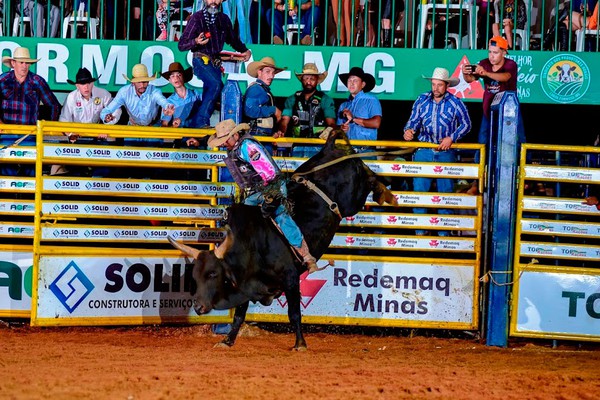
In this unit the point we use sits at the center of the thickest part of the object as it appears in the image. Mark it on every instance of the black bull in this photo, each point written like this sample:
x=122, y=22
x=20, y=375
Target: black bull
x=255, y=262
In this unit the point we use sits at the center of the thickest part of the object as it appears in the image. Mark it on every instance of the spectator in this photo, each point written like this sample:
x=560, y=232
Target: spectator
x=171, y=10
x=386, y=8
x=572, y=15
x=578, y=18
x=343, y=20
x=259, y=177
x=36, y=11
x=360, y=115
x=140, y=99
x=505, y=10
x=441, y=118
x=309, y=109
x=308, y=16
x=205, y=34
x=592, y=200
x=499, y=74
x=21, y=92
x=259, y=106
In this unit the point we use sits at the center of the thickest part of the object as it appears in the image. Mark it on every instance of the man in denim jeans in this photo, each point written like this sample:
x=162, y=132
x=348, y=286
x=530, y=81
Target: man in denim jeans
x=441, y=118
x=204, y=35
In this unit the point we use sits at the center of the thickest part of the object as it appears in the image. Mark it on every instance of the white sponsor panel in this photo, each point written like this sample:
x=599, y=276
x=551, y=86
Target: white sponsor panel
x=21, y=154
x=17, y=207
x=26, y=185
x=576, y=252
x=409, y=220
x=424, y=169
x=389, y=242
x=385, y=290
x=568, y=304
x=557, y=227
x=563, y=173
x=133, y=234
x=431, y=200
x=15, y=282
x=558, y=205
x=131, y=209
x=111, y=287
x=79, y=185
x=16, y=230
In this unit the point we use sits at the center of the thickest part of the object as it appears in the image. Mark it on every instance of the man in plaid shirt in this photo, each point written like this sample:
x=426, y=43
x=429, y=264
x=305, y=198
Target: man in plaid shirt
x=21, y=92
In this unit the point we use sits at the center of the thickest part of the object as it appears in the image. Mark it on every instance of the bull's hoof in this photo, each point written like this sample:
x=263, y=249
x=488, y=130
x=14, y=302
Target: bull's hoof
x=222, y=345
x=300, y=348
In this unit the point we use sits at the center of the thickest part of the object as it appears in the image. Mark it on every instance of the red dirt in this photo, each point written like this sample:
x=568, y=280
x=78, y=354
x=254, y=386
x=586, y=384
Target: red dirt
x=181, y=363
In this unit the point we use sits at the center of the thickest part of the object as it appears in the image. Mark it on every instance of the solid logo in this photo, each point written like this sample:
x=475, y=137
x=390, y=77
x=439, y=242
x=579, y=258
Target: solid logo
x=71, y=287
x=565, y=78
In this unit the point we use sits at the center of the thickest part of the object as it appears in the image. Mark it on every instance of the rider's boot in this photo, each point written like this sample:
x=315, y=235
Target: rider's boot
x=309, y=261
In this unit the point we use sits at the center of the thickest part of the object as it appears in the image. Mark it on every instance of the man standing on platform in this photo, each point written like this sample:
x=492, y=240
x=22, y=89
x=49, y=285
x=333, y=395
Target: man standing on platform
x=204, y=35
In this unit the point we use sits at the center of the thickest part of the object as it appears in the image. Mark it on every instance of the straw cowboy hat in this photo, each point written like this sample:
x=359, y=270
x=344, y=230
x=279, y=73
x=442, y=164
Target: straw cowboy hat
x=20, y=54
x=368, y=79
x=225, y=130
x=139, y=73
x=187, y=74
x=311, y=69
x=82, y=77
x=441, y=74
x=255, y=66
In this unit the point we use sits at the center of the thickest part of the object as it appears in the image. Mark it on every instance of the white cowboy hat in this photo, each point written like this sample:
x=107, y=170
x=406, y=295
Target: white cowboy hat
x=255, y=66
x=139, y=73
x=20, y=54
x=225, y=130
x=442, y=74
x=311, y=69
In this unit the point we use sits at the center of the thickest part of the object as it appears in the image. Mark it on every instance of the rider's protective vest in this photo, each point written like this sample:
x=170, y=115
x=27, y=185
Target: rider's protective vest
x=310, y=114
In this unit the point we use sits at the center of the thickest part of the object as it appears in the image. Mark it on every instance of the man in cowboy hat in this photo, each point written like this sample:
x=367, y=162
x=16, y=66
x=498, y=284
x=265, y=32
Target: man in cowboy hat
x=204, y=35
x=260, y=181
x=21, y=92
x=360, y=115
x=311, y=110
x=185, y=100
x=259, y=106
x=84, y=105
x=441, y=118
x=140, y=99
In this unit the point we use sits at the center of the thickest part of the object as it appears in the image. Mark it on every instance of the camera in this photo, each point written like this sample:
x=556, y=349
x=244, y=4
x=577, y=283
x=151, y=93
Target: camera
x=471, y=67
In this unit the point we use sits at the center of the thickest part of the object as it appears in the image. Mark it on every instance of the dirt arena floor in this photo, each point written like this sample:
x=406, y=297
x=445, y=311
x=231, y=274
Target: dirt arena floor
x=180, y=363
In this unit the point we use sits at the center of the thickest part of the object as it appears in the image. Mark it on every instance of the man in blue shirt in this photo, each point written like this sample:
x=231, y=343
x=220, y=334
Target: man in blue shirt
x=440, y=118
x=360, y=115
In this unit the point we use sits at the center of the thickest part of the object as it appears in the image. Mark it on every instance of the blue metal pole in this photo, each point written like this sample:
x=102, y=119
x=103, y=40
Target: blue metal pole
x=502, y=194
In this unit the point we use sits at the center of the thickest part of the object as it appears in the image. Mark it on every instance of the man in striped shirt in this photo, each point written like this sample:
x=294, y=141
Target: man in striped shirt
x=441, y=118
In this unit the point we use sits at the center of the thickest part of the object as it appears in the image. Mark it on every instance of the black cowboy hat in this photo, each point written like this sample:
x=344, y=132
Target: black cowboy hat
x=83, y=76
x=187, y=74
x=368, y=79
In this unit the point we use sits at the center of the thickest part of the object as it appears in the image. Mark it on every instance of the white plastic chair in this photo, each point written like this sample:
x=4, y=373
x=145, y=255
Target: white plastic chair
x=17, y=25
x=73, y=22
x=176, y=26
x=292, y=29
x=580, y=35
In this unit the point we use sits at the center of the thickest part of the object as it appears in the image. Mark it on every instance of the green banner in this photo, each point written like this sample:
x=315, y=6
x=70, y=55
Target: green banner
x=544, y=77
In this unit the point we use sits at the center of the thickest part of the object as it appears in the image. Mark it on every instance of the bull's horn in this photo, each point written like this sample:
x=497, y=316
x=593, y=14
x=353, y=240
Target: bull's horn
x=190, y=251
x=226, y=245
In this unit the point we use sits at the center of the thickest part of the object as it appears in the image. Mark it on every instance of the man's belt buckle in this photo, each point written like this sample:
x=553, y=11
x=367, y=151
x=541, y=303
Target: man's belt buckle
x=266, y=123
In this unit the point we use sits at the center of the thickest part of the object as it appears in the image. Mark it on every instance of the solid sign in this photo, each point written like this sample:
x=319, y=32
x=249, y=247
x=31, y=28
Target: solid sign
x=569, y=303
x=131, y=234
x=385, y=292
x=15, y=283
x=96, y=209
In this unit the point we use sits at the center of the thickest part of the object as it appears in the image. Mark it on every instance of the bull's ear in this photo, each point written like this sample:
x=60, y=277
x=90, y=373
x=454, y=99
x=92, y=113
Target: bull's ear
x=226, y=245
x=229, y=274
x=189, y=251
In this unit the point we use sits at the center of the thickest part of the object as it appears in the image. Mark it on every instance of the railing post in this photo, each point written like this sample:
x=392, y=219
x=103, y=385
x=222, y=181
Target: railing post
x=501, y=195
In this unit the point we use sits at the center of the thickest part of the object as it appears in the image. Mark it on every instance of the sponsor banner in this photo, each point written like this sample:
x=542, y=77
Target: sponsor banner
x=112, y=287
x=143, y=155
x=79, y=185
x=12, y=184
x=409, y=220
x=375, y=290
x=20, y=154
x=557, y=228
x=431, y=200
x=425, y=169
x=568, y=305
x=15, y=283
x=171, y=211
x=17, y=207
x=558, y=205
x=21, y=230
x=389, y=242
x=563, y=173
x=575, y=252
x=135, y=234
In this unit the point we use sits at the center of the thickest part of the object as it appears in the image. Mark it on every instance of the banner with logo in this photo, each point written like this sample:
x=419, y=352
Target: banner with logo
x=16, y=268
x=97, y=290
x=568, y=306
x=544, y=77
x=384, y=294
